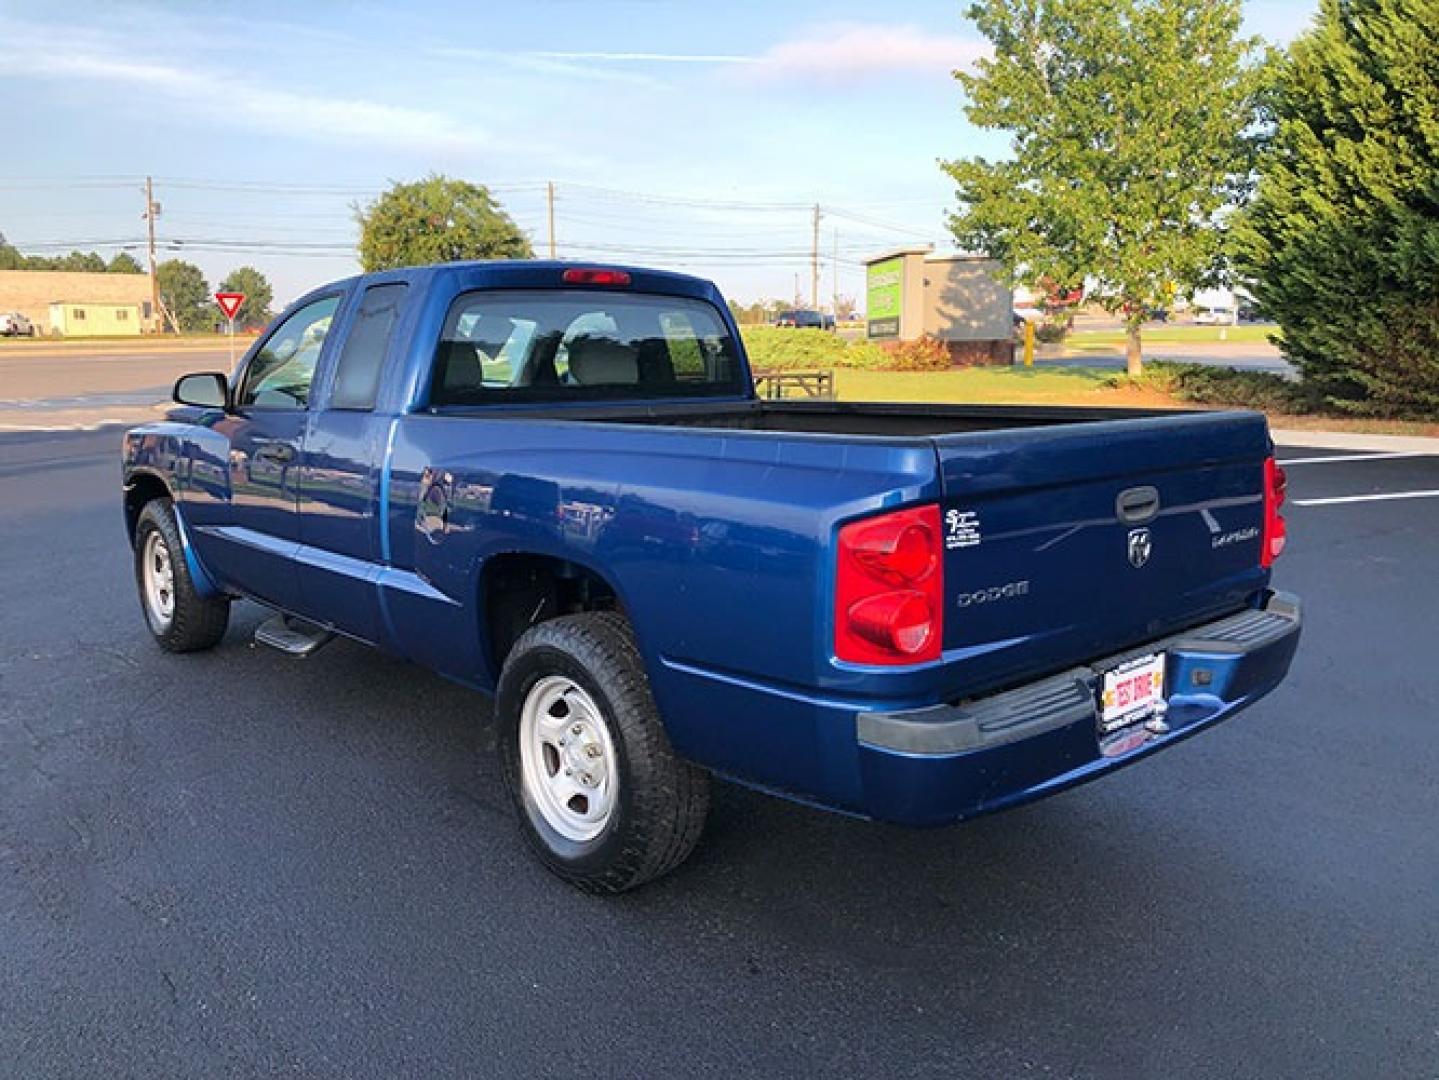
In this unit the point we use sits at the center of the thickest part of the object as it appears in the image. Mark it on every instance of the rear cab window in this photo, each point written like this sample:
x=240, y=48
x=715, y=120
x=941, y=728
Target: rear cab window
x=516, y=345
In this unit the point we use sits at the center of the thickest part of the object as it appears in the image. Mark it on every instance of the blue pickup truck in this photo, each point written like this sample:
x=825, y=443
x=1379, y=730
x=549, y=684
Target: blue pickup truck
x=555, y=484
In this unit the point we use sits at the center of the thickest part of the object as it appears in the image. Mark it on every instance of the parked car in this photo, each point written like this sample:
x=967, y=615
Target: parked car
x=804, y=319
x=14, y=324
x=557, y=485
x=1216, y=316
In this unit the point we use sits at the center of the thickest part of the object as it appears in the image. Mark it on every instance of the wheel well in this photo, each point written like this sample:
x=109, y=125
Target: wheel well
x=519, y=590
x=140, y=489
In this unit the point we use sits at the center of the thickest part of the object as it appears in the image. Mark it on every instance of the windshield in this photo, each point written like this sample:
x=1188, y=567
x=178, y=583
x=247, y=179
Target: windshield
x=509, y=345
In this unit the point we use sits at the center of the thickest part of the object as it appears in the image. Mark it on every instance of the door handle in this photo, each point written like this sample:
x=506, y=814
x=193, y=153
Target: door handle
x=281, y=452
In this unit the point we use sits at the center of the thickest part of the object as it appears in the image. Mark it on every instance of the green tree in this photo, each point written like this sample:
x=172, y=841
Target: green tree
x=124, y=263
x=437, y=219
x=186, y=295
x=1128, y=122
x=255, y=311
x=1343, y=236
x=87, y=262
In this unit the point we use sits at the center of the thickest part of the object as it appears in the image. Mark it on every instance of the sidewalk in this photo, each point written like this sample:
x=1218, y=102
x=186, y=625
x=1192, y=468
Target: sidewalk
x=1350, y=440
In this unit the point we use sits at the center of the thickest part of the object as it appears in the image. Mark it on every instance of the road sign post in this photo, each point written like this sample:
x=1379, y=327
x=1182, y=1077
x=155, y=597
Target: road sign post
x=229, y=303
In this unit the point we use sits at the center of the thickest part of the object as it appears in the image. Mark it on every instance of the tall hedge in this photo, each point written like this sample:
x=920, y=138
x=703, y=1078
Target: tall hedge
x=1343, y=236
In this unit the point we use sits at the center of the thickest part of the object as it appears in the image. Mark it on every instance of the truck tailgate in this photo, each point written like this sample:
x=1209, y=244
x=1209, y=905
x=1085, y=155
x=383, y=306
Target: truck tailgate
x=1070, y=543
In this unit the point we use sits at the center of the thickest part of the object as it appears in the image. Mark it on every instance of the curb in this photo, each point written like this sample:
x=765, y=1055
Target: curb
x=1351, y=440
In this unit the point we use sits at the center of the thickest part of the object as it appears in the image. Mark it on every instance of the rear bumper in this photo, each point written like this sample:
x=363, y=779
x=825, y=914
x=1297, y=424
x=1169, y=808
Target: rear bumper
x=929, y=766
x=944, y=763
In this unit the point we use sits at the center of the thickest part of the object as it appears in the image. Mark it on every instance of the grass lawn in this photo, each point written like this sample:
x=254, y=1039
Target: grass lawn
x=1083, y=340
x=991, y=386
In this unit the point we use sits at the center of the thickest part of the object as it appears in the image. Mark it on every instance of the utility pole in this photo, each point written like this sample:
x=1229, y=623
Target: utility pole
x=814, y=263
x=550, y=204
x=834, y=277
x=152, y=210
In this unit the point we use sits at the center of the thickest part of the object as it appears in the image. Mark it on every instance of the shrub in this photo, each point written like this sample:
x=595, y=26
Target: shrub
x=773, y=348
x=1051, y=332
x=1203, y=385
x=923, y=354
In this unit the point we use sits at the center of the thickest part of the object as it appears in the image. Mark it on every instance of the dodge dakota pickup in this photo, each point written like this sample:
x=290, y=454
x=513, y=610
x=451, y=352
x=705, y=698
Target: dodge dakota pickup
x=555, y=484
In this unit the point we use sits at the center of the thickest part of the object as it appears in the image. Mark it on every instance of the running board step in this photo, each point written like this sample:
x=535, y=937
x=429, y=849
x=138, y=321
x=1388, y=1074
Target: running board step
x=293, y=637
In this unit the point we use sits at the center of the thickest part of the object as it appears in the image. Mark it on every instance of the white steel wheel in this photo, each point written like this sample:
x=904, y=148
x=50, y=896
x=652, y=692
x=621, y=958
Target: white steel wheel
x=158, y=581
x=568, y=763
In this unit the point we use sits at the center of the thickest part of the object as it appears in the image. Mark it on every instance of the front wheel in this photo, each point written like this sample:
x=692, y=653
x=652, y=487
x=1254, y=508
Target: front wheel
x=602, y=797
x=180, y=618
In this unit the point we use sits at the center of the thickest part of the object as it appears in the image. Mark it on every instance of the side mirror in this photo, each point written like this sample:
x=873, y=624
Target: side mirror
x=207, y=389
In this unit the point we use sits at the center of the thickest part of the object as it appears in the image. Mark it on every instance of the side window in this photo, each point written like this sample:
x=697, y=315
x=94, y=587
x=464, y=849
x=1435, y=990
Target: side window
x=280, y=374
x=357, y=376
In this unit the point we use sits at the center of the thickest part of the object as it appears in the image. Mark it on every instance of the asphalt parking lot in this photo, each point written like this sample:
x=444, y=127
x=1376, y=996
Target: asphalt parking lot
x=238, y=864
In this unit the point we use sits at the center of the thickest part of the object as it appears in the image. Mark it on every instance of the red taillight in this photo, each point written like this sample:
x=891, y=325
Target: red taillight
x=889, y=589
x=584, y=275
x=1276, y=531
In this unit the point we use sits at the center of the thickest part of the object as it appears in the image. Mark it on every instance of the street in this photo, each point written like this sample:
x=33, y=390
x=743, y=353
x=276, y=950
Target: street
x=46, y=387
x=234, y=863
x=1240, y=355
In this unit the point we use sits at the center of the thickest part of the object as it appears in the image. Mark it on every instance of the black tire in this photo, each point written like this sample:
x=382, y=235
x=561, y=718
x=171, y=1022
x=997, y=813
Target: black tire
x=662, y=800
x=196, y=622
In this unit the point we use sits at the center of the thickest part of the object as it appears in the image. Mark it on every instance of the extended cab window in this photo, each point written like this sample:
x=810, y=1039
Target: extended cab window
x=517, y=345
x=280, y=374
x=357, y=374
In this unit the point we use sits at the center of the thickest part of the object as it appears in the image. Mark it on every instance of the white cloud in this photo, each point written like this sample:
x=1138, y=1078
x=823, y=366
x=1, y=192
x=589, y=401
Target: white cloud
x=244, y=102
x=850, y=52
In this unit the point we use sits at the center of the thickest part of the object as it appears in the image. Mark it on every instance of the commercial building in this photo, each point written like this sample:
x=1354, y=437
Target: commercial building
x=106, y=303
x=960, y=300
x=93, y=320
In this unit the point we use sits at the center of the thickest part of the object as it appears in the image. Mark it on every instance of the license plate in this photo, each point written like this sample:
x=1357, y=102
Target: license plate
x=1131, y=692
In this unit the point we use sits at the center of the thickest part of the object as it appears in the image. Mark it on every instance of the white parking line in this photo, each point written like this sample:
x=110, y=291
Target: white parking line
x=1341, y=499
x=1353, y=457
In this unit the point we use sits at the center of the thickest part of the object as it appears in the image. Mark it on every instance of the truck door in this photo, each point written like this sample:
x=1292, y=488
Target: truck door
x=249, y=536
x=340, y=552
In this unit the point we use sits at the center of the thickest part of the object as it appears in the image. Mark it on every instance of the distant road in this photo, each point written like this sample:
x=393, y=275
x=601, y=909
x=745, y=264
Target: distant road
x=1240, y=355
x=42, y=387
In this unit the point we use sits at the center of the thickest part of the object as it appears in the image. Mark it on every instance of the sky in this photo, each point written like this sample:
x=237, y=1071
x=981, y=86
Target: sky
x=693, y=136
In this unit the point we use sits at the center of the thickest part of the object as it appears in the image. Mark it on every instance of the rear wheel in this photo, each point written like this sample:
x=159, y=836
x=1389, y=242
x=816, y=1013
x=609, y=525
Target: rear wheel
x=601, y=795
x=180, y=618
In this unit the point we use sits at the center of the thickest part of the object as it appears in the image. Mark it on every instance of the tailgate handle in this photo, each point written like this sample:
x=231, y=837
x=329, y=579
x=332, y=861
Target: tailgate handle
x=1136, y=505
